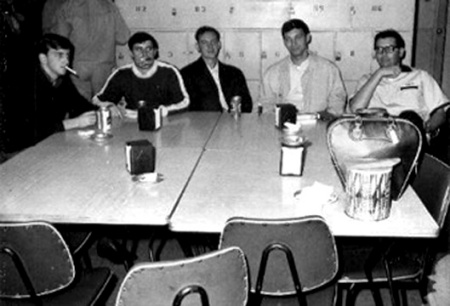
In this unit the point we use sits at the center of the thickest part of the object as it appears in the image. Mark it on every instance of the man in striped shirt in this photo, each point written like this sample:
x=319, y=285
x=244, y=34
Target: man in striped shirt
x=147, y=80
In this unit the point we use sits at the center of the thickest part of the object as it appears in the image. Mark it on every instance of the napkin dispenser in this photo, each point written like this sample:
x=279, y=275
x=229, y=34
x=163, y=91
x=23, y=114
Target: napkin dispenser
x=285, y=113
x=149, y=119
x=292, y=152
x=140, y=157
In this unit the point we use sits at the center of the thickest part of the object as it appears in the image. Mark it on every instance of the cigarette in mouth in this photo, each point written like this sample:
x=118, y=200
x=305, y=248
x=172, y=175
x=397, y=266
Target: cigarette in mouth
x=71, y=71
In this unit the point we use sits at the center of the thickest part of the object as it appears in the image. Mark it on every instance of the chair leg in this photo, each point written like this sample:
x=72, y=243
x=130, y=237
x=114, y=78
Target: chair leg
x=87, y=261
x=339, y=294
x=393, y=292
x=404, y=297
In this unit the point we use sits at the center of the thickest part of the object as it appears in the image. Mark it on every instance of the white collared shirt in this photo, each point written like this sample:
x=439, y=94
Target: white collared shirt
x=295, y=95
x=215, y=74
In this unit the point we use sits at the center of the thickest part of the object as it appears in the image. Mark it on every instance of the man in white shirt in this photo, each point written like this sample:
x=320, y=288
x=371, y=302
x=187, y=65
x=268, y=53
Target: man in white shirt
x=399, y=88
x=406, y=92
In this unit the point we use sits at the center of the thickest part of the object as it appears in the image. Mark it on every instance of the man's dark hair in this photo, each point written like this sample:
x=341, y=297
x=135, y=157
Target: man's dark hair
x=202, y=30
x=390, y=33
x=140, y=37
x=294, y=24
x=54, y=41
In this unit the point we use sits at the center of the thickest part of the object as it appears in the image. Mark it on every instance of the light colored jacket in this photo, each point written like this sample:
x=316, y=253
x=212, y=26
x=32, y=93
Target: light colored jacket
x=322, y=86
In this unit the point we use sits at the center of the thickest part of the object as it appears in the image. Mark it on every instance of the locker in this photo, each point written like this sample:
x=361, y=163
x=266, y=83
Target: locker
x=195, y=13
x=142, y=13
x=382, y=14
x=162, y=14
x=253, y=87
x=256, y=14
x=272, y=48
x=322, y=14
x=191, y=50
x=172, y=47
x=354, y=54
x=242, y=49
x=322, y=43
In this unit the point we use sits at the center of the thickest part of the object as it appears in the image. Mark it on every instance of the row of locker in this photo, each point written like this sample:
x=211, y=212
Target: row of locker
x=254, y=51
x=321, y=15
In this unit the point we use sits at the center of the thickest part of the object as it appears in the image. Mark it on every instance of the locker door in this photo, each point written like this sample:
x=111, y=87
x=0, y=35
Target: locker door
x=383, y=14
x=243, y=49
x=196, y=13
x=256, y=14
x=354, y=54
x=322, y=14
x=172, y=47
x=272, y=48
x=253, y=87
x=322, y=43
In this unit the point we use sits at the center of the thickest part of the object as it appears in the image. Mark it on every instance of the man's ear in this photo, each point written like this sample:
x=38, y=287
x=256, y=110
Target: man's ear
x=42, y=59
x=308, y=38
x=402, y=53
x=197, y=47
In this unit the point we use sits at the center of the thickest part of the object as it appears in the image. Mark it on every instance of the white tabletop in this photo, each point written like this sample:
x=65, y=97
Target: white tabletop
x=68, y=178
x=233, y=179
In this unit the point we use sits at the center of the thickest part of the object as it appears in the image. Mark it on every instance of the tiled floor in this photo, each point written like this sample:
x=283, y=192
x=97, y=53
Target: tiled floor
x=172, y=251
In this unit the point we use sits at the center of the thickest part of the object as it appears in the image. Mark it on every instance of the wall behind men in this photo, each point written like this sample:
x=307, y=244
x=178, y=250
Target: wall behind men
x=342, y=30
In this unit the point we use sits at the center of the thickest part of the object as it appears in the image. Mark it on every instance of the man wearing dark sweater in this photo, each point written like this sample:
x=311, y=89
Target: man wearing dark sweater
x=210, y=83
x=58, y=106
x=147, y=79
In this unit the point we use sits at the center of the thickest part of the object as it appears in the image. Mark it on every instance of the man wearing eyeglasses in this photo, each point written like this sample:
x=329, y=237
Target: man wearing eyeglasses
x=401, y=90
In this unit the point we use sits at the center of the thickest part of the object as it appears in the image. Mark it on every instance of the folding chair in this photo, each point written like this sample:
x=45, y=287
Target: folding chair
x=407, y=263
x=37, y=268
x=217, y=278
x=291, y=261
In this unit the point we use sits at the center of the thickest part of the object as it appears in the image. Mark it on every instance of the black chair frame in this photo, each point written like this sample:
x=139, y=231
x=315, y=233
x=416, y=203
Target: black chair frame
x=262, y=270
x=188, y=290
x=23, y=274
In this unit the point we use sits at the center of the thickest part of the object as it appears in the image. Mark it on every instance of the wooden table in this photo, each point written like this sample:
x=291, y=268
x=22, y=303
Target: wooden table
x=72, y=179
x=238, y=175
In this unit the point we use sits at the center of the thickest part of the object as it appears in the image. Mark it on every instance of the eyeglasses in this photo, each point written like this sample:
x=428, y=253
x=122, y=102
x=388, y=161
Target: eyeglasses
x=385, y=49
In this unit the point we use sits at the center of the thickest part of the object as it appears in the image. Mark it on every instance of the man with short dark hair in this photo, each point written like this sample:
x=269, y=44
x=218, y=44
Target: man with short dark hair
x=147, y=79
x=310, y=82
x=58, y=104
x=210, y=83
x=399, y=88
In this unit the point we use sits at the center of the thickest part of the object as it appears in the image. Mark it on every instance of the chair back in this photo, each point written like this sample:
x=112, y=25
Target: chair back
x=308, y=238
x=34, y=259
x=432, y=185
x=219, y=278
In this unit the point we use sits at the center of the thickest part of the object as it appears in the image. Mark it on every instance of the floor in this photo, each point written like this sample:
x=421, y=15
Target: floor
x=172, y=251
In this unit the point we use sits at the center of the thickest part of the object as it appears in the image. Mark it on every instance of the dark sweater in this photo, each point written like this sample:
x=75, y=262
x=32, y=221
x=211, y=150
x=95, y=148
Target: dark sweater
x=55, y=103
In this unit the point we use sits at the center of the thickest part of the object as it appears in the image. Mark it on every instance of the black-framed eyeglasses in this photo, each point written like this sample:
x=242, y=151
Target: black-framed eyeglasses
x=385, y=49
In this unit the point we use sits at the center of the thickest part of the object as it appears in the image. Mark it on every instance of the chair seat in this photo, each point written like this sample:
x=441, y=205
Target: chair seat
x=87, y=290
